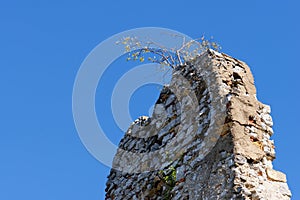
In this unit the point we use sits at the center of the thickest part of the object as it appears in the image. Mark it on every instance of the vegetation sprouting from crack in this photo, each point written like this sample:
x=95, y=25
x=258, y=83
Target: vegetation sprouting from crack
x=138, y=50
x=169, y=179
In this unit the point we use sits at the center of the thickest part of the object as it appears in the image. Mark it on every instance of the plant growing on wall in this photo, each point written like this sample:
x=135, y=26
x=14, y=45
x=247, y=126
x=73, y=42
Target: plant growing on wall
x=169, y=179
x=138, y=50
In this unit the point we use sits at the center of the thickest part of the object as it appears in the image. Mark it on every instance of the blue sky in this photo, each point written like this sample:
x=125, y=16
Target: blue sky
x=43, y=44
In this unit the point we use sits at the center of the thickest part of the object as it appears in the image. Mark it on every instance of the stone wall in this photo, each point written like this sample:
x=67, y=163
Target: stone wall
x=208, y=138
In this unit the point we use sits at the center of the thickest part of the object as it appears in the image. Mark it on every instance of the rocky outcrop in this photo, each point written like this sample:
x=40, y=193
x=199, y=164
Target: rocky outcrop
x=208, y=138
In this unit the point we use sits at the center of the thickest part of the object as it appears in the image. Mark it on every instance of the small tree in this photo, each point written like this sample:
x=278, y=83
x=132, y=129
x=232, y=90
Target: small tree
x=172, y=57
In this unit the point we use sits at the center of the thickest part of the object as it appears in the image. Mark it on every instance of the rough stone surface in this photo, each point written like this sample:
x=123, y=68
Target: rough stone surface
x=276, y=175
x=237, y=166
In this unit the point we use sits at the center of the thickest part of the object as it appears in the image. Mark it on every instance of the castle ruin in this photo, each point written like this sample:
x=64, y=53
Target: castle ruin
x=208, y=138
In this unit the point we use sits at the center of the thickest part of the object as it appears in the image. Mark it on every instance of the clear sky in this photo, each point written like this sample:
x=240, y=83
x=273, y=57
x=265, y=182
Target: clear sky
x=43, y=44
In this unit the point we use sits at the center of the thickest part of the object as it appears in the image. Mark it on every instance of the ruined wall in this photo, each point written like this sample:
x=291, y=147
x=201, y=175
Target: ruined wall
x=208, y=138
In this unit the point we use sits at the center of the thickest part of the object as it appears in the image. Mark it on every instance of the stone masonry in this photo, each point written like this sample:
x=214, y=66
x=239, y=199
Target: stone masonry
x=208, y=138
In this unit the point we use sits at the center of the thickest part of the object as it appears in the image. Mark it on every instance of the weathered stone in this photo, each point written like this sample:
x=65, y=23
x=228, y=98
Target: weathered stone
x=244, y=146
x=239, y=163
x=240, y=159
x=276, y=175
